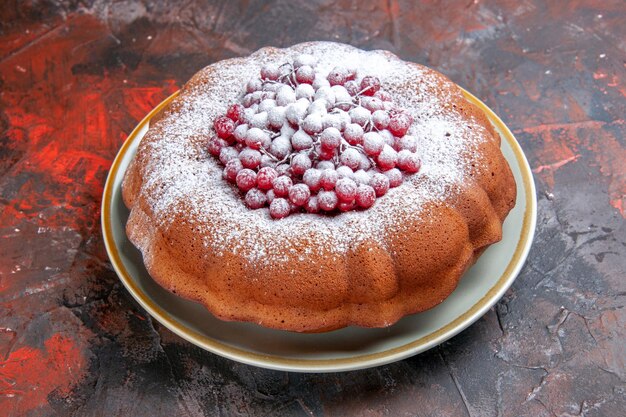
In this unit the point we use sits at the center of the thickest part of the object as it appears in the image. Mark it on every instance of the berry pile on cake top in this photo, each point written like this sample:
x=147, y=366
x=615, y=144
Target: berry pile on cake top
x=300, y=141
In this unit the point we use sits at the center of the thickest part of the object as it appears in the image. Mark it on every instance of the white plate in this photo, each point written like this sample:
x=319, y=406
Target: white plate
x=346, y=349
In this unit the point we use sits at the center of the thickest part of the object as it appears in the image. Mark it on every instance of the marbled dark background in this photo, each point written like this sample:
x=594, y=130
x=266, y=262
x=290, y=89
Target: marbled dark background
x=75, y=78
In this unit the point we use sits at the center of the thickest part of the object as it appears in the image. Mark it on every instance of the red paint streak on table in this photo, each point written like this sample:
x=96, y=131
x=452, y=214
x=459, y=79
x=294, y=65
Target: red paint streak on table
x=29, y=375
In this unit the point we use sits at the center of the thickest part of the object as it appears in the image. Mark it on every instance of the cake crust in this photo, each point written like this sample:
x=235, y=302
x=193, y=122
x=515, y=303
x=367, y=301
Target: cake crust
x=312, y=273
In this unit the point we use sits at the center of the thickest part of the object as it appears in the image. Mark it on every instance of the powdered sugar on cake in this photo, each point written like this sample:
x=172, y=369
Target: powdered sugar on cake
x=182, y=176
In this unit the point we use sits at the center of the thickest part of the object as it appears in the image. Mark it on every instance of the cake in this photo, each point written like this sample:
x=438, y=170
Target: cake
x=367, y=211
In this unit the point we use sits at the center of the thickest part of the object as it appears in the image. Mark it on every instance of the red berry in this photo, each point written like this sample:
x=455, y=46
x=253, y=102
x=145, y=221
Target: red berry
x=326, y=154
x=372, y=104
x=299, y=194
x=246, y=179
x=338, y=76
x=312, y=205
x=335, y=120
x=282, y=169
x=362, y=177
x=345, y=189
x=300, y=163
x=365, y=196
x=271, y=87
x=265, y=177
x=318, y=106
x=387, y=159
x=330, y=138
x=285, y=96
x=281, y=186
x=224, y=127
x=305, y=75
x=301, y=141
x=346, y=205
x=257, y=138
x=390, y=106
x=227, y=153
x=360, y=115
x=345, y=172
x=260, y=120
x=365, y=162
x=240, y=133
x=370, y=85
x=399, y=124
x=231, y=169
x=409, y=161
x=276, y=117
x=248, y=114
x=350, y=158
x=305, y=91
x=295, y=112
x=312, y=124
x=235, y=112
x=249, y=100
x=270, y=196
x=353, y=134
x=387, y=137
x=352, y=87
x=395, y=177
x=255, y=198
x=320, y=82
x=270, y=72
x=343, y=99
x=215, y=145
x=327, y=200
x=406, y=142
x=373, y=143
x=254, y=85
x=250, y=158
x=322, y=165
x=326, y=94
x=266, y=161
x=380, y=183
x=280, y=147
x=380, y=118
x=328, y=179
x=280, y=208
x=311, y=178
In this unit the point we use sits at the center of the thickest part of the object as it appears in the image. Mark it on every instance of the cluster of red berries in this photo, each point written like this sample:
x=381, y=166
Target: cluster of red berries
x=302, y=141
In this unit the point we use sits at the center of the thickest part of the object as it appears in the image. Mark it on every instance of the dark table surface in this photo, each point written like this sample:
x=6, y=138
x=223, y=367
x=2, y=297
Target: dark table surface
x=75, y=78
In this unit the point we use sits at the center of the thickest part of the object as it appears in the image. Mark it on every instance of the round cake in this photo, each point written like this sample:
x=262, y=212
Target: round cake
x=316, y=187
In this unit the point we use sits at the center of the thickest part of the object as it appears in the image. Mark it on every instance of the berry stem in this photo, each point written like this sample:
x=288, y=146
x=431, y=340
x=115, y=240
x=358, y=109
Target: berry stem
x=345, y=145
x=287, y=158
x=273, y=135
x=289, y=76
x=368, y=125
x=362, y=91
x=265, y=152
x=341, y=103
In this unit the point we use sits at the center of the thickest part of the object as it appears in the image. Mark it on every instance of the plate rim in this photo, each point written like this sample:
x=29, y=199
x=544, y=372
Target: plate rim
x=363, y=361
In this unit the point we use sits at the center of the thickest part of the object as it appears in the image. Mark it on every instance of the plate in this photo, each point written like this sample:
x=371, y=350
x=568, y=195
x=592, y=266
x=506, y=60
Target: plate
x=340, y=350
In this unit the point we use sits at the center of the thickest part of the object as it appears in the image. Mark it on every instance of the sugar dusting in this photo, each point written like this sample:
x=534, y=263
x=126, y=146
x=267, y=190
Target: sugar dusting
x=181, y=176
